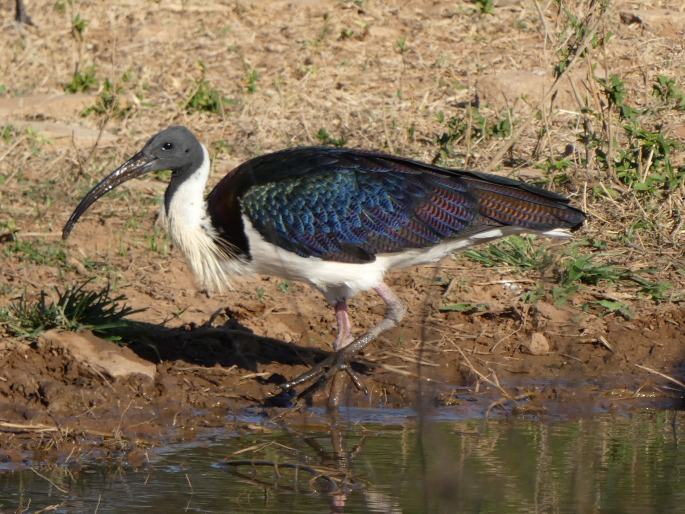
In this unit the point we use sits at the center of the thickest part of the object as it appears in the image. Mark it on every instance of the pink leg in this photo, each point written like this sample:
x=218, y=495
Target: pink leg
x=344, y=326
x=339, y=360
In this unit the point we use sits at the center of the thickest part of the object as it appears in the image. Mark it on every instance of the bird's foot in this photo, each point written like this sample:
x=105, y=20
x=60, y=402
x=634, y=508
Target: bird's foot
x=323, y=371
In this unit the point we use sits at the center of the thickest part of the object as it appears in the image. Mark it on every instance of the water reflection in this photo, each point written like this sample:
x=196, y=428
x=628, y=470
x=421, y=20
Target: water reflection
x=627, y=464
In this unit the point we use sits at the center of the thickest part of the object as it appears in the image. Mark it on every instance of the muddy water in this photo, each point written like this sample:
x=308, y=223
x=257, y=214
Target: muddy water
x=625, y=464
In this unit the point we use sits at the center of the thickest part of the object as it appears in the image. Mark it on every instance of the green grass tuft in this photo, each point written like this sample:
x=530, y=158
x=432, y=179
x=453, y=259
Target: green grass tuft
x=76, y=308
x=666, y=89
x=78, y=27
x=486, y=6
x=207, y=98
x=326, y=139
x=109, y=102
x=252, y=78
x=515, y=251
x=82, y=81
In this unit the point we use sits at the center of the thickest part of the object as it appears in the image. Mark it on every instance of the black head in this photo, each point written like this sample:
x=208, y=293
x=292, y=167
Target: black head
x=174, y=148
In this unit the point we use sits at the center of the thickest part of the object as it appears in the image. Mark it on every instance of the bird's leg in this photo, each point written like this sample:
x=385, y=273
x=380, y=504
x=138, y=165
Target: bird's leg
x=339, y=360
x=343, y=339
x=344, y=326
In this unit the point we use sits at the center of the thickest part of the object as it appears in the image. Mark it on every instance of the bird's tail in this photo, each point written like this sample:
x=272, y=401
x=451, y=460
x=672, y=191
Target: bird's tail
x=509, y=202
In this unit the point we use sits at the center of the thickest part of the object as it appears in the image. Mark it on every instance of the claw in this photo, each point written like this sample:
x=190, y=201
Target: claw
x=313, y=373
x=325, y=370
x=356, y=381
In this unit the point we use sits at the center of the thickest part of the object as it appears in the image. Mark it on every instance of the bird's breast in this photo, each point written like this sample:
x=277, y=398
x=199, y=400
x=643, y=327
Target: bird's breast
x=331, y=277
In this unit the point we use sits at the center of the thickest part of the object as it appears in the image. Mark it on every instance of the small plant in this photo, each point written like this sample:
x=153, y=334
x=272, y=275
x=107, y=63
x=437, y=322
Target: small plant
x=585, y=269
x=533, y=295
x=158, y=241
x=8, y=133
x=667, y=90
x=401, y=45
x=656, y=291
x=571, y=271
x=78, y=27
x=221, y=146
x=485, y=6
x=645, y=165
x=466, y=308
x=346, y=33
x=326, y=139
x=502, y=127
x=252, y=78
x=615, y=307
x=615, y=91
x=36, y=140
x=474, y=126
x=575, y=270
x=109, y=101
x=3, y=89
x=556, y=171
x=515, y=251
x=162, y=175
x=82, y=81
x=284, y=286
x=76, y=308
x=205, y=97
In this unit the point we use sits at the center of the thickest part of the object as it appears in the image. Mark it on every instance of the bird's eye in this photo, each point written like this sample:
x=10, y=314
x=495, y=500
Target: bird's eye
x=167, y=146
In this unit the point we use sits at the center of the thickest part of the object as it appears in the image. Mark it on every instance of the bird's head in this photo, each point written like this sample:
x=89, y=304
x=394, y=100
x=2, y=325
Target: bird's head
x=174, y=148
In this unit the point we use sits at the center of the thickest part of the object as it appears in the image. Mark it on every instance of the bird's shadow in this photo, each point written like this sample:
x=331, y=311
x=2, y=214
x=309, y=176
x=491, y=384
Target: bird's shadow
x=230, y=344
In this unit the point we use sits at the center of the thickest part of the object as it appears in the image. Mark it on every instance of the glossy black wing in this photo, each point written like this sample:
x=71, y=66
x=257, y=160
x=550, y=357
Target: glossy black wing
x=350, y=205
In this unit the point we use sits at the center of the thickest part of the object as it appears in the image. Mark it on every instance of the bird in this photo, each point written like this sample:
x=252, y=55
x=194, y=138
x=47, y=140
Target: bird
x=335, y=218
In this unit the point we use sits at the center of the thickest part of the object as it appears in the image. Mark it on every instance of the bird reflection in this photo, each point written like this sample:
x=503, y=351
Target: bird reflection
x=327, y=464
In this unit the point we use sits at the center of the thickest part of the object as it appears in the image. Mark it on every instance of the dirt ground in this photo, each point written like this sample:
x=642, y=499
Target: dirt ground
x=382, y=75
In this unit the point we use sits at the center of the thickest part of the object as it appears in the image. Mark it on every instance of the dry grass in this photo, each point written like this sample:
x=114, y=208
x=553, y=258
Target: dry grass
x=383, y=75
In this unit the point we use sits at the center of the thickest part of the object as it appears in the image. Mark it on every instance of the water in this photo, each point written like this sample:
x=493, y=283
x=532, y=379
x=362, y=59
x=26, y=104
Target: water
x=609, y=464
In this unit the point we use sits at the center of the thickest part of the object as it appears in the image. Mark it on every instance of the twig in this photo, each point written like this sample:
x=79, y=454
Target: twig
x=50, y=481
x=27, y=428
x=263, y=374
x=275, y=465
x=6, y=426
x=38, y=234
x=49, y=508
x=663, y=375
x=605, y=343
x=483, y=377
x=400, y=371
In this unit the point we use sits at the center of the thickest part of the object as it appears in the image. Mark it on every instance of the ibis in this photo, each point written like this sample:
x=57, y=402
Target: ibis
x=335, y=218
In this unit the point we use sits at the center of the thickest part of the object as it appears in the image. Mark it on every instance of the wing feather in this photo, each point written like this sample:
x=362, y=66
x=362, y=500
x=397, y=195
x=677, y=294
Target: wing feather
x=351, y=205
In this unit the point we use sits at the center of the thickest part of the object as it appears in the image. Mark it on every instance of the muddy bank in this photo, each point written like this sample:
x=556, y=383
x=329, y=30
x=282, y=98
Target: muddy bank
x=73, y=393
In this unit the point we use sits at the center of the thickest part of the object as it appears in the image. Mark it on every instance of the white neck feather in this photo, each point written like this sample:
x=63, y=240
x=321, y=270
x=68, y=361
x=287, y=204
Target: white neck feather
x=189, y=226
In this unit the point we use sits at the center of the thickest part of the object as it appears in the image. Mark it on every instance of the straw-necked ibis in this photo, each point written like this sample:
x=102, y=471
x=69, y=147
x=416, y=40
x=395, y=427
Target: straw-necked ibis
x=335, y=218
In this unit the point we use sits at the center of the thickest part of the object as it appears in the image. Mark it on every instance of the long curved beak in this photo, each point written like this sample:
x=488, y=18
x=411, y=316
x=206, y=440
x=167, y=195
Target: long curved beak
x=136, y=166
